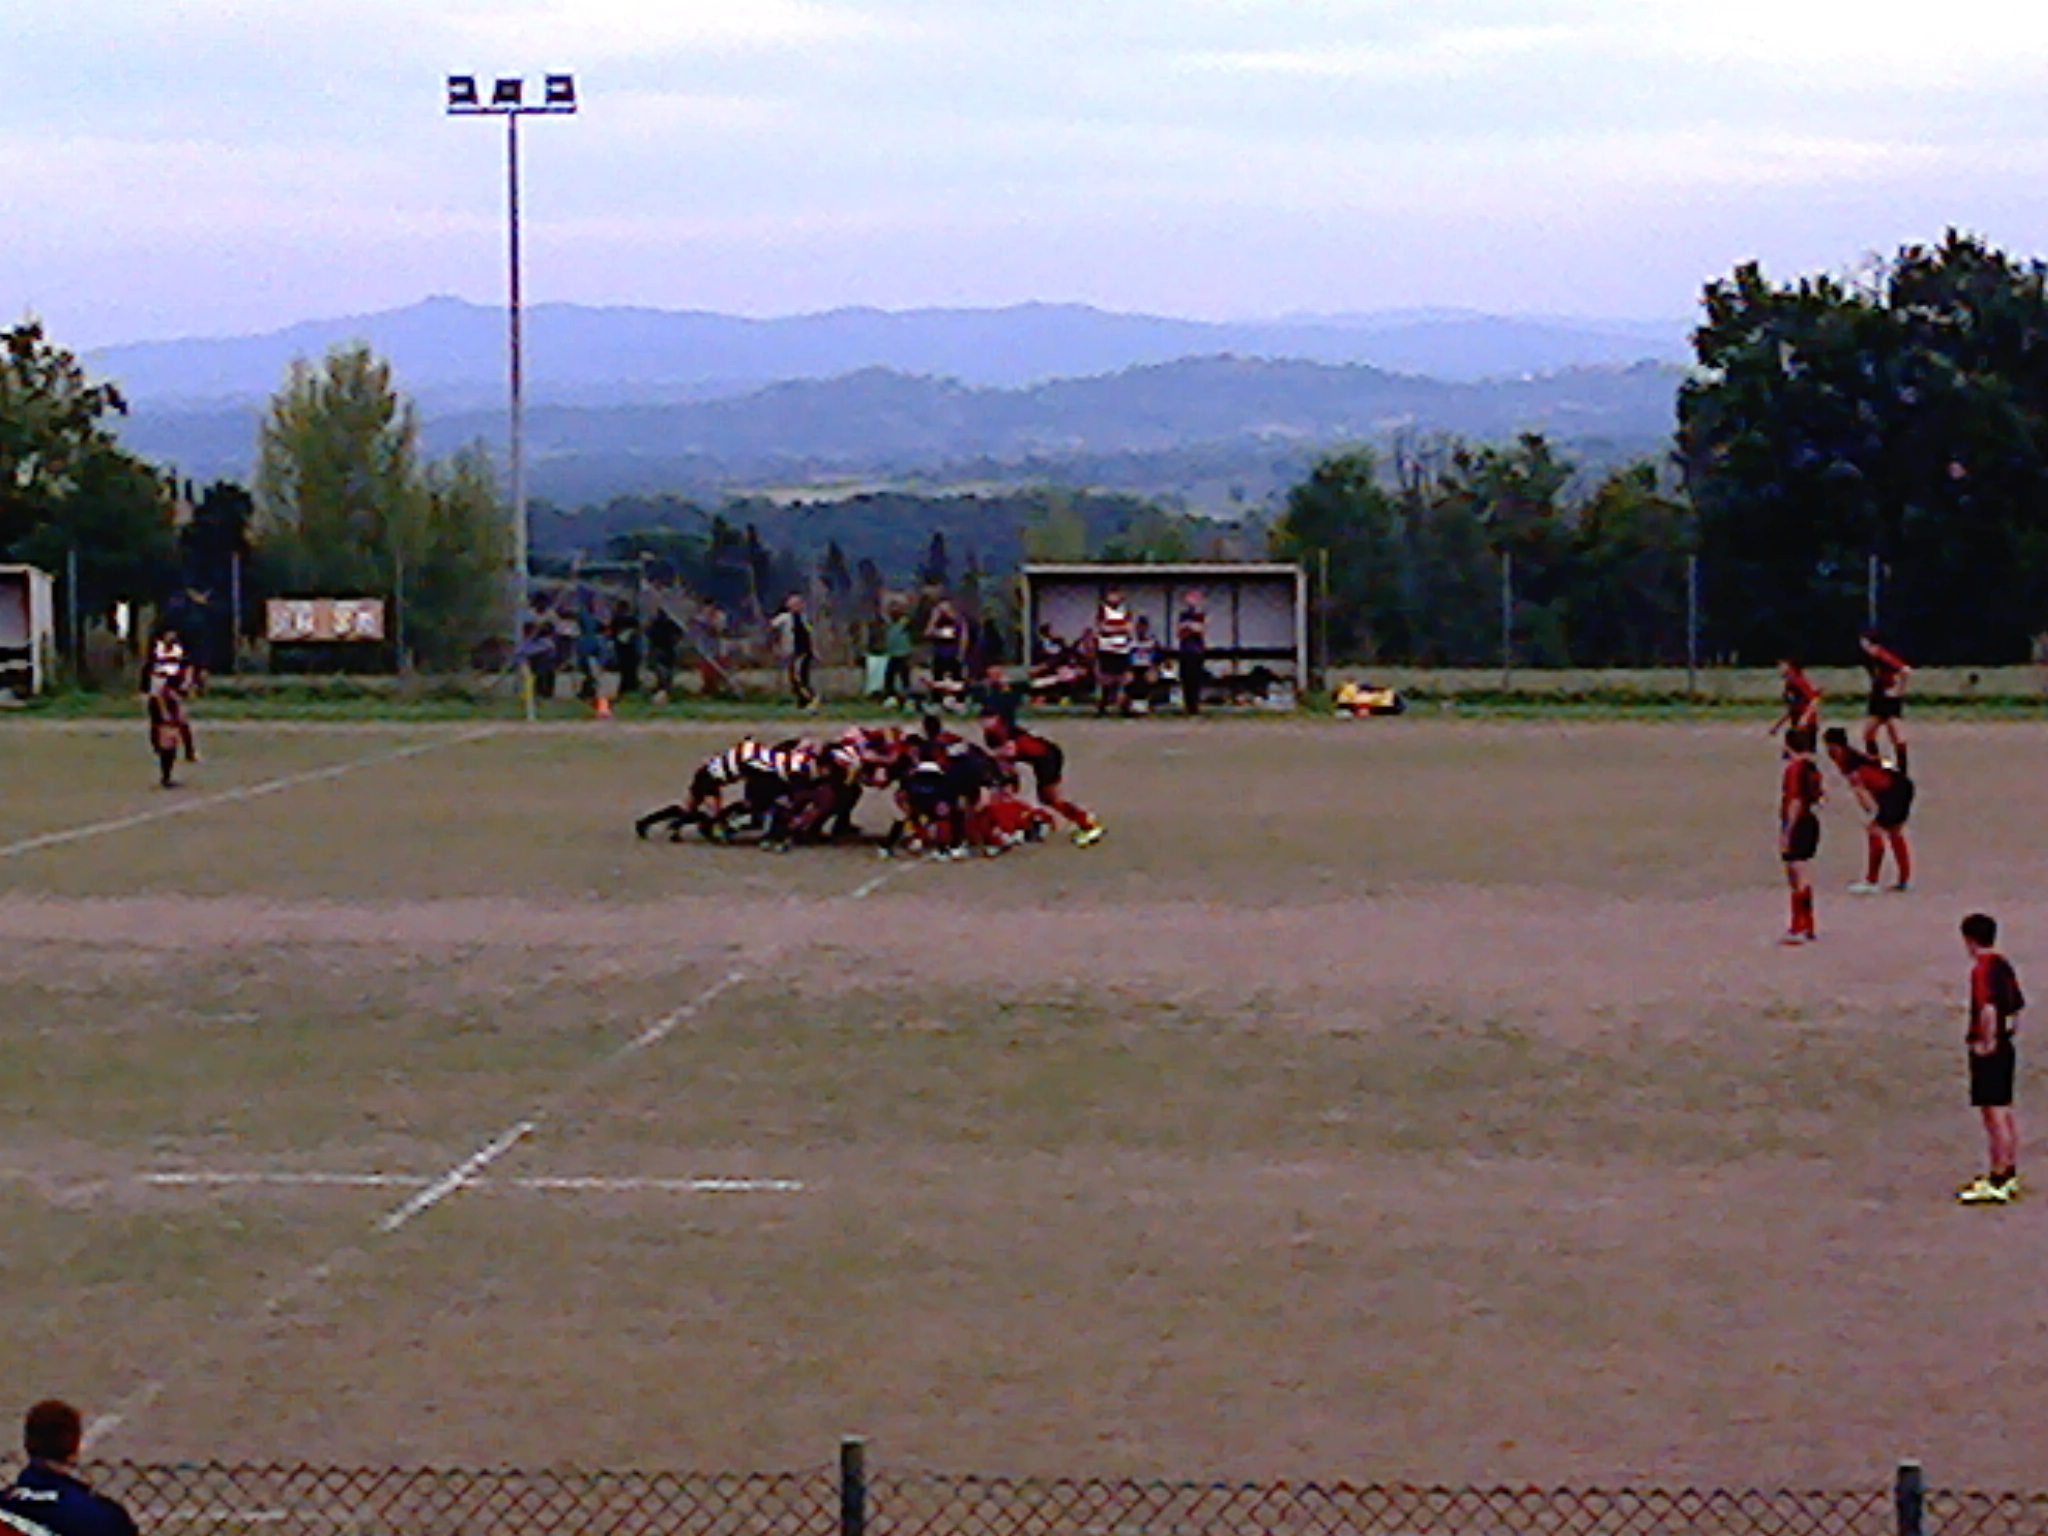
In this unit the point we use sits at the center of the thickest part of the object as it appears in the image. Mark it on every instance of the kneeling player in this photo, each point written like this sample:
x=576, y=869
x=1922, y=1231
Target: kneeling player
x=1886, y=795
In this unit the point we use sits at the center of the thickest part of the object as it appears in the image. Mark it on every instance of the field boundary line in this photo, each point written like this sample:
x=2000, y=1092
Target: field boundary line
x=546, y=1183
x=237, y=795
x=463, y=1173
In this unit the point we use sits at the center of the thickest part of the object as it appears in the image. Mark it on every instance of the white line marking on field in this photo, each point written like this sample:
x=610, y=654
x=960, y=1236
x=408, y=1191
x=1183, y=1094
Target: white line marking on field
x=544, y=1183
x=235, y=796
x=457, y=1176
x=464, y=1174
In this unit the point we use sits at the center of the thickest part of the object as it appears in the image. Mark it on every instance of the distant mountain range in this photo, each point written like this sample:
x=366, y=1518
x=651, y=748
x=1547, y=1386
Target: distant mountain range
x=633, y=401
x=446, y=349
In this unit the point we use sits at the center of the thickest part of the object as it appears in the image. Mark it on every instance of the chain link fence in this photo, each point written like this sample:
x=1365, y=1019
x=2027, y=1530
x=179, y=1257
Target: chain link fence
x=217, y=1500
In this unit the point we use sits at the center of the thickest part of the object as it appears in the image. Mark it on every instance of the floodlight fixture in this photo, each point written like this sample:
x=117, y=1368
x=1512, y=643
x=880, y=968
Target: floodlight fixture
x=462, y=95
x=507, y=92
x=560, y=93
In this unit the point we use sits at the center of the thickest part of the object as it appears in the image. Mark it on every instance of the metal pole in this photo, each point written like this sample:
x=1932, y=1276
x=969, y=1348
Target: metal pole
x=517, y=364
x=1507, y=619
x=1870, y=593
x=1909, y=1497
x=853, y=1486
x=71, y=623
x=1692, y=623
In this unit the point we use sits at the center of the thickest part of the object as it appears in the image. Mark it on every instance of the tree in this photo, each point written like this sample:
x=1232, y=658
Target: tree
x=51, y=427
x=67, y=489
x=1901, y=418
x=344, y=507
x=455, y=595
x=1626, y=583
x=1342, y=521
x=340, y=499
x=1056, y=532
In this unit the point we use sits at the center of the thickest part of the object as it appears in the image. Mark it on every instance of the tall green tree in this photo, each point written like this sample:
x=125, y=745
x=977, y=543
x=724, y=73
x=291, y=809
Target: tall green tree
x=344, y=506
x=1902, y=419
x=67, y=489
x=1343, y=522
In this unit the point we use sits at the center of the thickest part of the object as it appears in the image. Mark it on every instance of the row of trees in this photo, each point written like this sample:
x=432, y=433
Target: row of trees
x=1845, y=449
x=1893, y=425
x=342, y=504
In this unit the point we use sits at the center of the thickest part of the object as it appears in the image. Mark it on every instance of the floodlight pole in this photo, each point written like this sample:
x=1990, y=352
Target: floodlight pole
x=508, y=101
x=516, y=353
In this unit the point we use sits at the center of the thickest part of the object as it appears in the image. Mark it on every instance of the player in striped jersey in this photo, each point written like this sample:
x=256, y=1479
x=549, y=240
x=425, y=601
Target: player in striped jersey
x=706, y=802
x=167, y=681
x=1116, y=635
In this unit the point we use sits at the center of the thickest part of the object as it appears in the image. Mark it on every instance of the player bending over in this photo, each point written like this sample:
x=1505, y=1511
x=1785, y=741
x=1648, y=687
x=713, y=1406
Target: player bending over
x=706, y=802
x=1886, y=795
x=1014, y=744
x=1800, y=793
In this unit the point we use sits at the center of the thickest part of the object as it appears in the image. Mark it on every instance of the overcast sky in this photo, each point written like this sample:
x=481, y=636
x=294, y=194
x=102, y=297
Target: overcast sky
x=195, y=167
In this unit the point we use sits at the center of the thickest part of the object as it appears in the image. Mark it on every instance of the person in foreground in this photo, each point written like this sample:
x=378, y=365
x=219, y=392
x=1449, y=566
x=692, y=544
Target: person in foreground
x=49, y=1498
x=1995, y=1004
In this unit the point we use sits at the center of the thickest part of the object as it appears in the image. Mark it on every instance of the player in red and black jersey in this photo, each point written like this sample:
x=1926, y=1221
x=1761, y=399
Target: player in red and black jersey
x=1886, y=795
x=1888, y=672
x=1800, y=793
x=1995, y=1004
x=1802, y=700
x=1018, y=746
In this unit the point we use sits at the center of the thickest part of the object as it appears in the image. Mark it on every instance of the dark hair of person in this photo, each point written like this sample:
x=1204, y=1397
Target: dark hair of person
x=52, y=1431
x=1981, y=928
x=1799, y=738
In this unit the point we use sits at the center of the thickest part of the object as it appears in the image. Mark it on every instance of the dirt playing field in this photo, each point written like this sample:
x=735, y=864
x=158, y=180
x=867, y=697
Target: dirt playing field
x=1417, y=1099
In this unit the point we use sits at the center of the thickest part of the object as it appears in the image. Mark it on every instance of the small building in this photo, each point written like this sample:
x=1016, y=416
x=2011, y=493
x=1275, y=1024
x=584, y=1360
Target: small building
x=28, y=630
x=1258, y=614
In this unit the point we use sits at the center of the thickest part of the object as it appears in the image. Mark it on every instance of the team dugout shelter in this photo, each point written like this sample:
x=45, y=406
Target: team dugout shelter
x=1258, y=615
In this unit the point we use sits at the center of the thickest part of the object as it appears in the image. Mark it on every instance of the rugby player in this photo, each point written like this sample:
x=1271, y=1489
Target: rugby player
x=1800, y=793
x=1886, y=795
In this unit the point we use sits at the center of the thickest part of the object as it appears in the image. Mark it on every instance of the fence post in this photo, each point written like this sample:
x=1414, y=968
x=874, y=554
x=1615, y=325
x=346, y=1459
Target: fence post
x=853, y=1486
x=1910, y=1494
x=1507, y=620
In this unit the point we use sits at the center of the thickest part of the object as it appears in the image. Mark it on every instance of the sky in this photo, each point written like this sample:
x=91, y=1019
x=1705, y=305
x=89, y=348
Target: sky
x=216, y=167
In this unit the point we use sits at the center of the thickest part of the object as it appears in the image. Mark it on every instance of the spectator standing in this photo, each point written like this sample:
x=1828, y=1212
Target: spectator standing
x=589, y=633
x=625, y=638
x=799, y=650
x=707, y=638
x=947, y=635
x=538, y=648
x=1144, y=663
x=49, y=1495
x=1191, y=645
x=896, y=648
x=664, y=648
x=1115, y=631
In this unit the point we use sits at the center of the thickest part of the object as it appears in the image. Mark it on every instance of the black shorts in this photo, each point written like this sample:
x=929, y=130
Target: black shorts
x=1991, y=1077
x=1894, y=806
x=1804, y=841
x=1886, y=706
x=1047, y=770
x=1111, y=664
